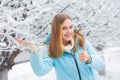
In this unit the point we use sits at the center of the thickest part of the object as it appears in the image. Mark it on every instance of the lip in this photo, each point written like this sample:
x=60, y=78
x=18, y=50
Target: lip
x=67, y=36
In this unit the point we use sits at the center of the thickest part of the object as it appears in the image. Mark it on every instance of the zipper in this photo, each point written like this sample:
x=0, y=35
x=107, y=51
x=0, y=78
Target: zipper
x=78, y=70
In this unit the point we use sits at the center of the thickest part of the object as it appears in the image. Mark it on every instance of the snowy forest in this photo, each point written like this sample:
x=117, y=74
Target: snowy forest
x=31, y=19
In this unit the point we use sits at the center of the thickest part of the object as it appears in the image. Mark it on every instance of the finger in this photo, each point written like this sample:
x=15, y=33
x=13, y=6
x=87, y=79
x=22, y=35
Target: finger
x=82, y=58
x=84, y=47
x=25, y=43
x=84, y=44
x=82, y=53
x=20, y=41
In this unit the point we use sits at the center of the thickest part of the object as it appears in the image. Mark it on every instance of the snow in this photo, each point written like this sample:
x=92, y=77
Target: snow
x=24, y=71
x=31, y=19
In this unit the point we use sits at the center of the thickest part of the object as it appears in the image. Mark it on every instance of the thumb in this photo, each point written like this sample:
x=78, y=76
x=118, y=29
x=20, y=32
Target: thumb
x=84, y=47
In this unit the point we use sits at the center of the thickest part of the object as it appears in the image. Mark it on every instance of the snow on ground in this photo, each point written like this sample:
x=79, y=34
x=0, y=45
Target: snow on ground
x=23, y=71
x=112, y=63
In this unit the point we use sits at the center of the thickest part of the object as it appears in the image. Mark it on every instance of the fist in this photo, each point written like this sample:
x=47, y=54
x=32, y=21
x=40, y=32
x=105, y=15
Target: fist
x=84, y=56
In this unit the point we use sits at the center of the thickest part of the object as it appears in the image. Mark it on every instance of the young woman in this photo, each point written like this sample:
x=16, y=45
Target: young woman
x=68, y=52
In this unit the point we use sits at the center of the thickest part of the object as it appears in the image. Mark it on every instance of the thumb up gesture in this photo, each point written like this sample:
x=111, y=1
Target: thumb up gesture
x=84, y=56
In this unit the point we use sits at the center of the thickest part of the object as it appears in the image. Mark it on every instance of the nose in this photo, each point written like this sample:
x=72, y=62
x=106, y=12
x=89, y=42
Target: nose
x=69, y=30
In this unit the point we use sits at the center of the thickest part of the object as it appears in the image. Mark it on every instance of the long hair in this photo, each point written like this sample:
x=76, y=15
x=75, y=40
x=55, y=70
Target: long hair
x=55, y=45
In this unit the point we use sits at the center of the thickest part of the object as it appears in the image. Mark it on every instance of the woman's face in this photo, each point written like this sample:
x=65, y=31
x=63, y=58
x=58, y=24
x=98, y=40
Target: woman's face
x=67, y=30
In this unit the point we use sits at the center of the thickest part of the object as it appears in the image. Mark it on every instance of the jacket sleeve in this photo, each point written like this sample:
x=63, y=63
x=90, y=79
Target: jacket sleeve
x=41, y=65
x=97, y=61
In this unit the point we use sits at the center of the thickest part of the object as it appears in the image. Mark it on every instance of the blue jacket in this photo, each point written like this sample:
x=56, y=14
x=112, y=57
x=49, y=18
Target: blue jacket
x=65, y=66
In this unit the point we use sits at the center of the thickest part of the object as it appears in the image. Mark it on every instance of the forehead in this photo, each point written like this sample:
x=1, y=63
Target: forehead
x=67, y=23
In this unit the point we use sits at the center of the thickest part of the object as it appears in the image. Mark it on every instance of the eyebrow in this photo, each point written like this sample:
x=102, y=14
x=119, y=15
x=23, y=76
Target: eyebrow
x=69, y=26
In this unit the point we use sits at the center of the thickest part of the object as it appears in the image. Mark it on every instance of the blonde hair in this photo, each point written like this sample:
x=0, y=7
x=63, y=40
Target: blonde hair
x=55, y=45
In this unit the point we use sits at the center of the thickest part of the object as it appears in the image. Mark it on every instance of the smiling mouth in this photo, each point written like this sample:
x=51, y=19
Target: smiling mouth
x=68, y=36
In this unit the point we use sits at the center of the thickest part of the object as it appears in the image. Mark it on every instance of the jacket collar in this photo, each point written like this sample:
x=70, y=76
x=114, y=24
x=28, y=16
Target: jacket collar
x=69, y=47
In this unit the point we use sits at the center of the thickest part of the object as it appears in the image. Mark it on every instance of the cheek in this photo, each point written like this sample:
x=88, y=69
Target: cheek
x=72, y=31
x=63, y=32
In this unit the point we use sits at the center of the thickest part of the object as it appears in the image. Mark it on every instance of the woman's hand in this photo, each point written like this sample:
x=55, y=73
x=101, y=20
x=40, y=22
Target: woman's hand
x=84, y=56
x=31, y=45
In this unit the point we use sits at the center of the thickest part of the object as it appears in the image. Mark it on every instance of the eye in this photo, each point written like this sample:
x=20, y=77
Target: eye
x=64, y=28
x=71, y=26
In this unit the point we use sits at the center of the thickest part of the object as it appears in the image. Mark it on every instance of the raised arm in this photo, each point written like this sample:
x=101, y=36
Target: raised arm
x=41, y=65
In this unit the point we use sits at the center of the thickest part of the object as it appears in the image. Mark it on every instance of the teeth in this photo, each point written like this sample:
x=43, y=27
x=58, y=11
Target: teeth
x=68, y=35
